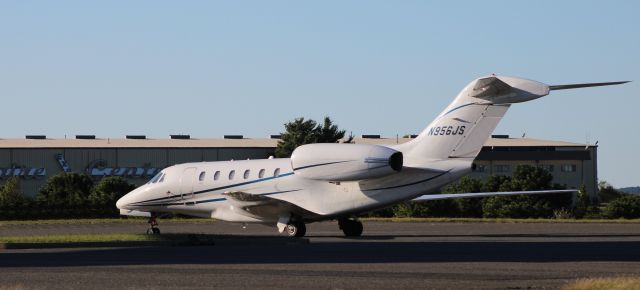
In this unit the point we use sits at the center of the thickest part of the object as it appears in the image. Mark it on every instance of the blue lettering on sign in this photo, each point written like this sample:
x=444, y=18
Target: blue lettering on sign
x=446, y=130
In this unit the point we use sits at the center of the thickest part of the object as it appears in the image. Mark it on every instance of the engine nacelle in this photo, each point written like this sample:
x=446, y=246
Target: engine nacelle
x=345, y=162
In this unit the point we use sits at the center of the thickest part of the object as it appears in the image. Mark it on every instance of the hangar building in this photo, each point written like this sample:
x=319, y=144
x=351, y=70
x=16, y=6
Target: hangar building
x=137, y=158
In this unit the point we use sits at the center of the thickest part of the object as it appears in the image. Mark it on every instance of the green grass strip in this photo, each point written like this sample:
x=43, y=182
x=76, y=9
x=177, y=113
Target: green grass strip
x=83, y=238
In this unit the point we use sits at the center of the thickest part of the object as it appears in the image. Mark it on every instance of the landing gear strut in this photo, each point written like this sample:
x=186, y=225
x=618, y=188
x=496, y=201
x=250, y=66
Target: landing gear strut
x=350, y=228
x=153, y=226
x=296, y=229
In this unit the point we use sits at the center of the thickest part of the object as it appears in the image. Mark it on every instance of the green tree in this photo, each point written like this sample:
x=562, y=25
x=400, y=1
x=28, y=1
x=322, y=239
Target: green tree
x=467, y=207
x=10, y=193
x=626, y=206
x=582, y=203
x=105, y=194
x=301, y=131
x=525, y=177
x=607, y=193
x=66, y=190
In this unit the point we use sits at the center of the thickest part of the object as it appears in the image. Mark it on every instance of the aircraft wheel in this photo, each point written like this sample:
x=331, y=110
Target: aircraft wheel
x=296, y=229
x=351, y=228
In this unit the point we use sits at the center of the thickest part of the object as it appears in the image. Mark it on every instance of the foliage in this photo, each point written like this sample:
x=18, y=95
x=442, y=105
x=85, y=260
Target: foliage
x=104, y=195
x=467, y=207
x=10, y=193
x=434, y=208
x=66, y=189
x=582, y=203
x=607, y=193
x=525, y=177
x=627, y=206
x=301, y=131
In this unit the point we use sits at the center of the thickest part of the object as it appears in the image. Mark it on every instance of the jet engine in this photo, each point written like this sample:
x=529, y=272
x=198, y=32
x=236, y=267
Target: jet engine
x=345, y=162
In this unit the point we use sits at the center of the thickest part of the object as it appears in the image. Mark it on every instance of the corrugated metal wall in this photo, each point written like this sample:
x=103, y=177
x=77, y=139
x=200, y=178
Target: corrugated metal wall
x=79, y=159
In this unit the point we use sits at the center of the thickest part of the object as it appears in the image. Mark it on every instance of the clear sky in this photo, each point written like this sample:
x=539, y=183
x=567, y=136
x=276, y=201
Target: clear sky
x=209, y=68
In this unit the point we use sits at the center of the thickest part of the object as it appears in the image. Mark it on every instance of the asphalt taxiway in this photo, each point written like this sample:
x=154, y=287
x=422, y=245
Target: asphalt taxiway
x=389, y=255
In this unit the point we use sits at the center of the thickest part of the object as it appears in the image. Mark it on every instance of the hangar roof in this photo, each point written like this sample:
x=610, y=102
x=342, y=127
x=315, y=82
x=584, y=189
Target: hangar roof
x=238, y=143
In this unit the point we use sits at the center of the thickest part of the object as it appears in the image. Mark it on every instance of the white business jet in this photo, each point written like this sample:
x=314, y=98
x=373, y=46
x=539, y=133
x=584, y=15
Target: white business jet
x=337, y=181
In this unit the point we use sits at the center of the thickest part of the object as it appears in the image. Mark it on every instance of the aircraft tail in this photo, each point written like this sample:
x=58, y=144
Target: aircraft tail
x=460, y=131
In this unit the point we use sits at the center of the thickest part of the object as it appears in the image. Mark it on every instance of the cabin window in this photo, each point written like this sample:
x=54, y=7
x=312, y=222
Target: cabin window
x=246, y=174
x=276, y=172
x=216, y=175
x=231, y=174
x=202, y=175
x=261, y=173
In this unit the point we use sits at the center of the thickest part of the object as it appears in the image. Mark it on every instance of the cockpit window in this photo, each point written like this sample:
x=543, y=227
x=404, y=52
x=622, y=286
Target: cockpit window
x=162, y=178
x=155, y=178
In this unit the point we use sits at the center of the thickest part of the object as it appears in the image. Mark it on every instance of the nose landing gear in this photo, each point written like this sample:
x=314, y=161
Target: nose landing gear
x=153, y=225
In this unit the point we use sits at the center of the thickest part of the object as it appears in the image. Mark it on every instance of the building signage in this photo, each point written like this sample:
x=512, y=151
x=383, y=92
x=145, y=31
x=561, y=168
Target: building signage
x=23, y=172
x=99, y=168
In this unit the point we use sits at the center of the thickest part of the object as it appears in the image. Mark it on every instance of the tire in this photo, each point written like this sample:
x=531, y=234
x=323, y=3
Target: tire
x=296, y=229
x=351, y=228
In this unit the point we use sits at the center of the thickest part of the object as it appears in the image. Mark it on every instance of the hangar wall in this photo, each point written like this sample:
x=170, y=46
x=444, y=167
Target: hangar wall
x=138, y=160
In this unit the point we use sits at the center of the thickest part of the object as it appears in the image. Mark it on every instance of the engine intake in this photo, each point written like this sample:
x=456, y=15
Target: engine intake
x=345, y=162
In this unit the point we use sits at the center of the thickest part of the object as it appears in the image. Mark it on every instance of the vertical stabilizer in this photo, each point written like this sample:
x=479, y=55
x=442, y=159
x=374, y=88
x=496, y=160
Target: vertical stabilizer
x=464, y=126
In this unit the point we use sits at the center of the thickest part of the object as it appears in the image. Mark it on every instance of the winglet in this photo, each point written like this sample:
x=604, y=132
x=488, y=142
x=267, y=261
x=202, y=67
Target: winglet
x=585, y=85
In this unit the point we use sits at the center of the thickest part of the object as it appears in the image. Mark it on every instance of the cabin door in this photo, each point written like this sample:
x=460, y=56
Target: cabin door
x=186, y=182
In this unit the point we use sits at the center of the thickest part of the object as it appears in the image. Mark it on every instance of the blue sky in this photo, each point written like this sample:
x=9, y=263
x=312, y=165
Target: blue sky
x=209, y=68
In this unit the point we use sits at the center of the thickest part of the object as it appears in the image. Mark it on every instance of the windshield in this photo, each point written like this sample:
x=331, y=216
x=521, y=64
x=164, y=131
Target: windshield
x=155, y=178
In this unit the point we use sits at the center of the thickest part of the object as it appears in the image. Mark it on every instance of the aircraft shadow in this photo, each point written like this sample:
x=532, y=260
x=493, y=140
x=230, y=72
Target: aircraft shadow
x=336, y=252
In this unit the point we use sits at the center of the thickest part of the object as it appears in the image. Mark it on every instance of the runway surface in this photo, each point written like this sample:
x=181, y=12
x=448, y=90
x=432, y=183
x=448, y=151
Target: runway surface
x=389, y=255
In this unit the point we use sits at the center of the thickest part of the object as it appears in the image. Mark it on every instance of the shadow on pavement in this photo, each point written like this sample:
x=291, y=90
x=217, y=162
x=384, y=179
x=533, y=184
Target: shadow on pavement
x=334, y=252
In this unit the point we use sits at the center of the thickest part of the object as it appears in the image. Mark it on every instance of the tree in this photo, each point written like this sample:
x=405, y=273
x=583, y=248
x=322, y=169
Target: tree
x=607, y=193
x=66, y=190
x=105, y=194
x=626, y=206
x=10, y=193
x=525, y=177
x=301, y=131
x=467, y=207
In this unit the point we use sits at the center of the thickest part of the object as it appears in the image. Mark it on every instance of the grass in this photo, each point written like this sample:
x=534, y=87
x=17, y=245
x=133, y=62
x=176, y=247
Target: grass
x=84, y=238
x=618, y=283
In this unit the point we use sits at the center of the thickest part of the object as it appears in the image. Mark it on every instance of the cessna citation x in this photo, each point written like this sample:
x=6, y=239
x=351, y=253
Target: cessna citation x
x=338, y=181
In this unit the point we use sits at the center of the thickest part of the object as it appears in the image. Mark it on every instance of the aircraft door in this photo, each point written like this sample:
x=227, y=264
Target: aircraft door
x=186, y=182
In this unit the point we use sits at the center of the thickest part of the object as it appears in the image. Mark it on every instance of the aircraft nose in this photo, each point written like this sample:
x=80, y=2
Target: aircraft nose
x=121, y=203
x=125, y=201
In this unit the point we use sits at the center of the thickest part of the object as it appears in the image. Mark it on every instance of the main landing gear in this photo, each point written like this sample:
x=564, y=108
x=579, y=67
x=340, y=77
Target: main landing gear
x=153, y=225
x=350, y=228
x=296, y=229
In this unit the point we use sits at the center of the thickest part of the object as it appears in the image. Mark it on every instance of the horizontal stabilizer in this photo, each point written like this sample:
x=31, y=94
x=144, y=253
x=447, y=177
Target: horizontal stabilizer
x=586, y=85
x=484, y=194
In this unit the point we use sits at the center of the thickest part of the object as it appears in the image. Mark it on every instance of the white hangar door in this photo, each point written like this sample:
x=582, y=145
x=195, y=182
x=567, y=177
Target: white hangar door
x=186, y=182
